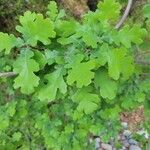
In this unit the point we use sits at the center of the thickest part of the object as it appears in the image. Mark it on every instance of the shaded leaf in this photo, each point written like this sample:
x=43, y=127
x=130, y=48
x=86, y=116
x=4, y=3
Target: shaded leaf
x=55, y=81
x=87, y=101
x=108, y=87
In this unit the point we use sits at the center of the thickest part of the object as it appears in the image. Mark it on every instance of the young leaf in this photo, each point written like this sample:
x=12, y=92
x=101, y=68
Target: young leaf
x=108, y=87
x=40, y=58
x=35, y=28
x=106, y=13
x=114, y=57
x=133, y=35
x=111, y=113
x=16, y=136
x=11, y=108
x=55, y=81
x=117, y=62
x=89, y=37
x=25, y=66
x=81, y=73
x=7, y=42
x=52, y=10
x=87, y=101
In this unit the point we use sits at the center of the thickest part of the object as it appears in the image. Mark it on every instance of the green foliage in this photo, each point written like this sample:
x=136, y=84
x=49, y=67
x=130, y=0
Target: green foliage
x=7, y=42
x=75, y=79
x=26, y=66
x=35, y=28
x=55, y=81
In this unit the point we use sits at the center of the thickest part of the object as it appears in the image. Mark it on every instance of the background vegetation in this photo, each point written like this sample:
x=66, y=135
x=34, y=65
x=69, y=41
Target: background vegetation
x=25, y=120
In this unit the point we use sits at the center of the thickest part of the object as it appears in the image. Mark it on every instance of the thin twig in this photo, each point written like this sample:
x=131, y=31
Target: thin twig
x=7, y=74
x=125, y=15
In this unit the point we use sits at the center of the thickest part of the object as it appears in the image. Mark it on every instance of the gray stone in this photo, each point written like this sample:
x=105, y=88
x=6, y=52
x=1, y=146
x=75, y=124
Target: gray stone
x=127, y=134
x=134, y=147
x=132, y=142
x=125, y=143
x=106, y=146
x=97, y=143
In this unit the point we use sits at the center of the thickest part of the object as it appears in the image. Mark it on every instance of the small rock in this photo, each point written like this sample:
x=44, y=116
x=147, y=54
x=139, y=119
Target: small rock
x=127, y=134
x=106, y=146
x=125, y=143
x=97, y=143
x=123, y=148
x=124, y=125
x=132, y=142
x=134, y=147
x=123, y=137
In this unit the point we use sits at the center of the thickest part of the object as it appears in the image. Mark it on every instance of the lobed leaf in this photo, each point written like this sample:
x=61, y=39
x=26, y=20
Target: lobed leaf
x=35, y=28
x=25, y=66
x=7, y=42
x=49, y=90
x=81, y=73
x=87, y=101
x=108, y=87
x=109, y=9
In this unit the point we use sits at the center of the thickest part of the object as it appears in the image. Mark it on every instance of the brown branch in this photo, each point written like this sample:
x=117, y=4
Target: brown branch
x=125, y=15
x=7, y=74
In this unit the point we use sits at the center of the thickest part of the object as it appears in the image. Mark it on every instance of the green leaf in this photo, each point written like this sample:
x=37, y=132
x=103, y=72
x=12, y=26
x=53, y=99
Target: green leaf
x=117, y=62
x=81, y=73
x=133, y=35
x=129, y=102
x=25, y=66
x=35, y=28
x=16, y=136
x=11, y=108
x=127, y=71
x=106, y=13
x=55, y=81
x=146, y=11
x=40, y=58
x=52, y=10
x=140, y=97
x=111, y=113
x=7, y=42
x=66, y=28
x=102, y=54
x=89, y=37
x=87, y=101
x=108, y=87
x=4, y=121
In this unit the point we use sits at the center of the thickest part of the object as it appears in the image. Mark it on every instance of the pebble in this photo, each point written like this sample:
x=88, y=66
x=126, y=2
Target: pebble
x=123, y=148
x=97, y=143
x=132, y=142
x=106, y=146
x=124, y=125
x=134, y=147
x=125, y=143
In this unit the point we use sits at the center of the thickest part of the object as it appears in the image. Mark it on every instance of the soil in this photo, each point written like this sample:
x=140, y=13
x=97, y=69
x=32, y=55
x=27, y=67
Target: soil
x=134, y=118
